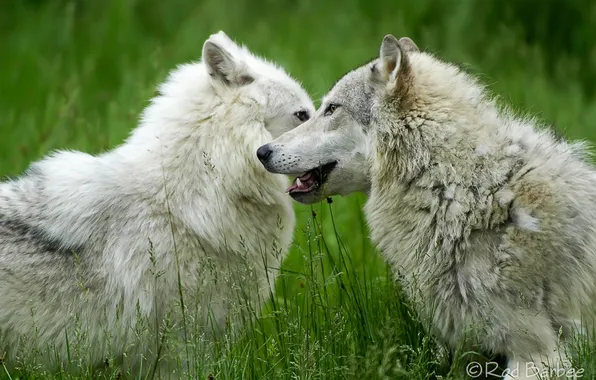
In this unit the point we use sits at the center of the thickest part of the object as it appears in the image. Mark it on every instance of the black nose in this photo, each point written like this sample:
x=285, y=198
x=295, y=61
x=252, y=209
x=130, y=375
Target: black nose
x=264, y=152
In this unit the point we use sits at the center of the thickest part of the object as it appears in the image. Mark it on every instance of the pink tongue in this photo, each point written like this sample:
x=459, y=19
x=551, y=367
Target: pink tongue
x=292, y=187
x=306, y=183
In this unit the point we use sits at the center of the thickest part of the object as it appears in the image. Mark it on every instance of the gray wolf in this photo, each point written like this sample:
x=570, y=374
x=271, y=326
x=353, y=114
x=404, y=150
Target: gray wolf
x=488, y=219
x=182, y=214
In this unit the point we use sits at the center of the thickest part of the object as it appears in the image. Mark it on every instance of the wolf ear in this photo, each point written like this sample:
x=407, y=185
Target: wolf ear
x=408, y=45
x=221, y=64
x=391, y=57
x=394, y=62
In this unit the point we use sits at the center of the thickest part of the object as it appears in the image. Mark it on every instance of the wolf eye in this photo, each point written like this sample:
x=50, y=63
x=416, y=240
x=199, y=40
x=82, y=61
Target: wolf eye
x=331, y=109
x=301, y=115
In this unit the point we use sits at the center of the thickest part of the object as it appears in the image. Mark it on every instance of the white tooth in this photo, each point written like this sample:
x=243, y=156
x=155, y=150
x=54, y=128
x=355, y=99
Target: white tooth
x=298, y=182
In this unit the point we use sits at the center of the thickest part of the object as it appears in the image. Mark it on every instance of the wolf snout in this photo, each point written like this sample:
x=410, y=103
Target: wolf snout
x=264, y=152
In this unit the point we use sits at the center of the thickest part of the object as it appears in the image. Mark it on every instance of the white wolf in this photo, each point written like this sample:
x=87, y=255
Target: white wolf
x=88, y=244
x=488, y=220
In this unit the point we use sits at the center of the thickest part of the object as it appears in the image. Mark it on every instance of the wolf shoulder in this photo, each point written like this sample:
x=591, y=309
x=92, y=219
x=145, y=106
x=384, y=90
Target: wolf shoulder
x=54, y=198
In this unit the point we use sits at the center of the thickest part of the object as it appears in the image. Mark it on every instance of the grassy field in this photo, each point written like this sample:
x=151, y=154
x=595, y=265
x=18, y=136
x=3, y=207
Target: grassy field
x=77, y=74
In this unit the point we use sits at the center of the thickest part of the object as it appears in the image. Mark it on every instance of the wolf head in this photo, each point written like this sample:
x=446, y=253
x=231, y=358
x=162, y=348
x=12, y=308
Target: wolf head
x=329, y=154
x=236, y=73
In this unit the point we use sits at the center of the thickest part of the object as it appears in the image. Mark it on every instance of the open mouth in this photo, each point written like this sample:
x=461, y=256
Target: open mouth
x=312, y=179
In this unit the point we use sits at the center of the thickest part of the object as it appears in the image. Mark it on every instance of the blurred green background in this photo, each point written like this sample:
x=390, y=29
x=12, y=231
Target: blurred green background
x=76, y=74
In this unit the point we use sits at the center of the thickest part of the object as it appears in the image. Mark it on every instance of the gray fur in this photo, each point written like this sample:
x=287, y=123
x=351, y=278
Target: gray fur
x=488, y=220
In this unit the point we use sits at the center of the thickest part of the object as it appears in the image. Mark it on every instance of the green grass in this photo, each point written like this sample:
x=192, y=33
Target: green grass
x=76, y=75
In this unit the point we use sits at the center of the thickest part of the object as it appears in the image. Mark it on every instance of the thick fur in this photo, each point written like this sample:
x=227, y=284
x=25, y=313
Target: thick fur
x=487, y=219
x=91, y=243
